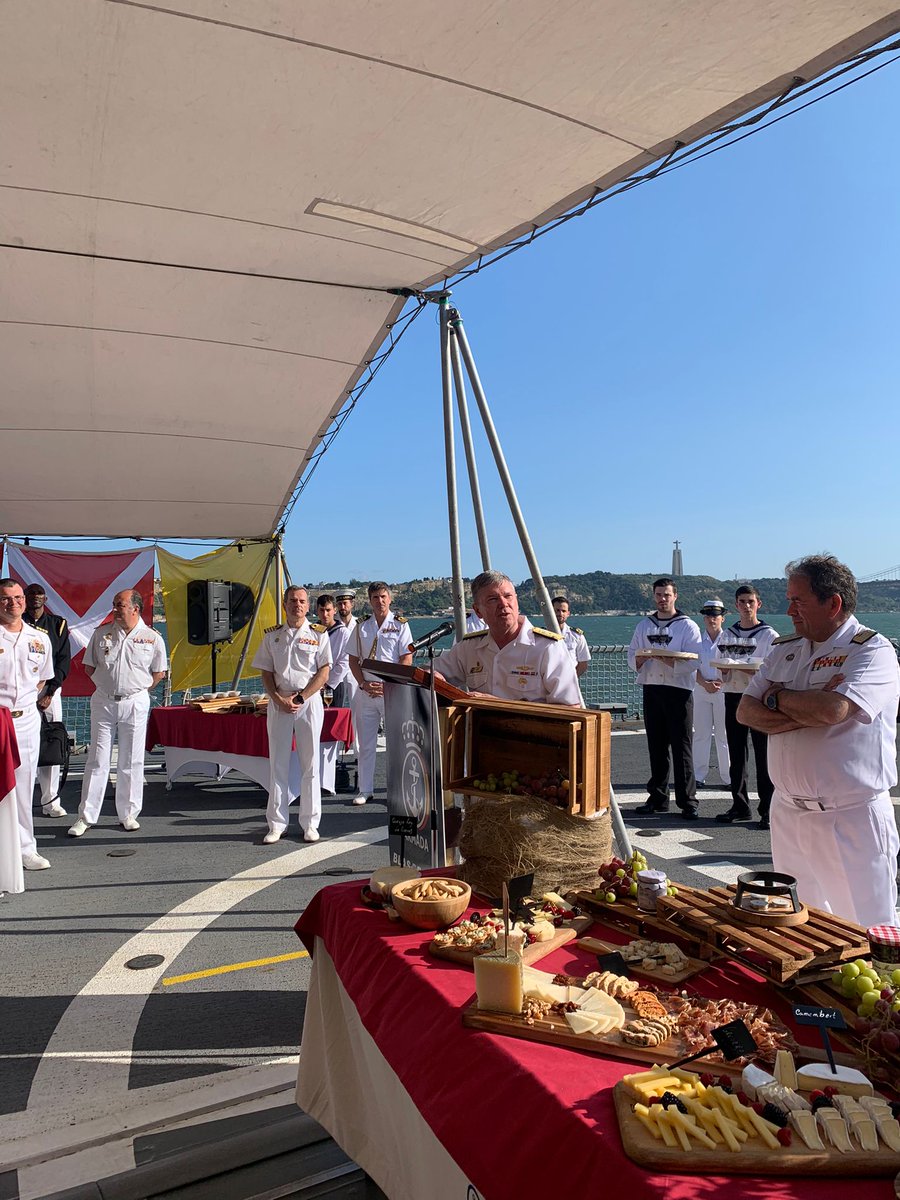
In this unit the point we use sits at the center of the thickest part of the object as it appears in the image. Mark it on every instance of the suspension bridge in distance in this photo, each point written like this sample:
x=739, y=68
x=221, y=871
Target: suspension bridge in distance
x=889, y=574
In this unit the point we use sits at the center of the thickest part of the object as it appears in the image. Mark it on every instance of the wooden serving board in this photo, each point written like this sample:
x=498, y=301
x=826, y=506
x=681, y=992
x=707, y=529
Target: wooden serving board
x=780, y=955
x=684, y=655
x=721, y=665
x=596, y=946
x=554, y=1030
x=532, y=953
x=754, y=1159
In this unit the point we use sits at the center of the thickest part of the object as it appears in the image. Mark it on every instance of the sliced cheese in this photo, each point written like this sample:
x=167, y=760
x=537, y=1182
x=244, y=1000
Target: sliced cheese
x=804, y=1123
x=847, y=1079
x=602, y=1005
x=785, y=1071
x=581, y=1022
x=784, y=1097
x=835, y=1131
x=555, y=898
x=540, y=985
x=865, y=1133
x=576, y=994
x=889, y=1131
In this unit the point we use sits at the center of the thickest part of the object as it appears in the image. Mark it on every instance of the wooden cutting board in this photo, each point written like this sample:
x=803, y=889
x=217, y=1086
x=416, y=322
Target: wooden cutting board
x=532, y=953
x=596, y=946
x=754, y=1159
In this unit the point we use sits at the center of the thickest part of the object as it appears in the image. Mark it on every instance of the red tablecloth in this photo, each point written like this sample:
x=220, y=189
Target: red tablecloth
x=231, y=733
x=9, y=753
x=521, y=1119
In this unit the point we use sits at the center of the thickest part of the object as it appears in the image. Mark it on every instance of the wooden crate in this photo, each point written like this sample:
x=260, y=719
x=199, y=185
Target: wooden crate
x=487, y=736
x=781, y=954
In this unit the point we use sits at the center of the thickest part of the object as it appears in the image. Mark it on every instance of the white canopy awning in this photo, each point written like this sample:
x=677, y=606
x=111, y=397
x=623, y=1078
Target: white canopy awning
x=203, y=202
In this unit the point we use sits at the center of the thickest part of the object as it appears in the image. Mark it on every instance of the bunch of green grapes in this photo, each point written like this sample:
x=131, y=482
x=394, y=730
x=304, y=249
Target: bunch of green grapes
x=860, y=982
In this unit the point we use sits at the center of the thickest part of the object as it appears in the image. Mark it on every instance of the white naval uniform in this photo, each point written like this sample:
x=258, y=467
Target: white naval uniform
x=124, y=664
x=833, y=824
x=534, y=666
x=294, y=656
x=26, y=662
x=576, y=644
x=709, y=713
x=739, y=643
x=386, y=643
x=474, y=623
x=339, y=636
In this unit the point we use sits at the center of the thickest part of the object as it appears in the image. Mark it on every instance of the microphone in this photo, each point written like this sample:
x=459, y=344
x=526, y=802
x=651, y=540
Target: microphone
x=428, y=639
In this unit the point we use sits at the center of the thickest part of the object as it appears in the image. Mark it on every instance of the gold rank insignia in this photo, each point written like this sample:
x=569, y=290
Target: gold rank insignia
x=476, y=633
x=547, y=633
x=788, y=637
x=862, y=635
x=318, y=628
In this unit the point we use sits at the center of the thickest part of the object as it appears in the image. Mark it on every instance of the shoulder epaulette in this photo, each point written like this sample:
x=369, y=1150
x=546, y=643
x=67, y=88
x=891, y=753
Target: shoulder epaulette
x=402, y=620
x=788, y=637
x=62, y=625
x=317, y=628
x=476, y=633
x=863, y=635
x=557, y=637
x=575, y=629
x=272, y=628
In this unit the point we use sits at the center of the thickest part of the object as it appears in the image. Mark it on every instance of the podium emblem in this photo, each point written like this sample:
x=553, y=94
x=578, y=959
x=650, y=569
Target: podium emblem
x=414, y=786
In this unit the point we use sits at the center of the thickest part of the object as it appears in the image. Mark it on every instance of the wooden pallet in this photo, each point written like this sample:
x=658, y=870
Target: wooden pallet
x=780, y=955
x=626, y=915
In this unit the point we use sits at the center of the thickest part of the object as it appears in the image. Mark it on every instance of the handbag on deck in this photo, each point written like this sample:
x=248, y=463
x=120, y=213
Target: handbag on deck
x=54, y=749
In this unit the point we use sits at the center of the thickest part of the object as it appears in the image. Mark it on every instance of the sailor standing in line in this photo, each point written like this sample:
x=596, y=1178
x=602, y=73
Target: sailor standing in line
x=709, y=698
x=294, y=659
x=345, y=687
x=125, y=660
x=747, y=638
x=26, y=665
x=57, y=630
x=576, y=642
x=668, y=685
x=827, y=697
x=385, y=637
x=328, y=751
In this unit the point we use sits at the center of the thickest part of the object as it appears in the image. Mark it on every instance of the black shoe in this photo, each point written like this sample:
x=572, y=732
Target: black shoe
x=701, y=783
x=650, y=809
x=763, y=823
x=733, y=814
x=690, y=813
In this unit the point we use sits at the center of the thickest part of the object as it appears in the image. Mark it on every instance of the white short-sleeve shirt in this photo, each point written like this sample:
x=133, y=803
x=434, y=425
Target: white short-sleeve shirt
x=293, y=655
x=678, y=633
x=576, y=643
x=125, y=661
x=386, y=643
x=341, y=638
x=856, y=759
x=534, y=666
x=26, y=662
x=735, y=642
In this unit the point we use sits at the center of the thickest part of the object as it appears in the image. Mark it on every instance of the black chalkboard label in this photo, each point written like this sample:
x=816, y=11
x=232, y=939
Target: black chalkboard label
x=815, y=1014
x=614, y=963
x=734, y=1040
x=402, y=826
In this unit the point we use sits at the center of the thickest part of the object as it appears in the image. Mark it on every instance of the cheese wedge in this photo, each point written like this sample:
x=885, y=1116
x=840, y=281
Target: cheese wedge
x=865, y=1133
x=602, y=1005
x=540, y=985
x=555, y=898
x=847, y=1079
x=784, y=1097
x=785, y=1071
x=835, y=1131
x=541, y=931
x=581, y=1022
x=889, y=1132
x=576, y=994
x=804, y=1124
x=753, y=1077
x=848, y=1106
x=498, y=982
x=874, y=1105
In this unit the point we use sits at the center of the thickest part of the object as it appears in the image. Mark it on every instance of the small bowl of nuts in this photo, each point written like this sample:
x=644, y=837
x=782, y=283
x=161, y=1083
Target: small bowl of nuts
x=432, y=902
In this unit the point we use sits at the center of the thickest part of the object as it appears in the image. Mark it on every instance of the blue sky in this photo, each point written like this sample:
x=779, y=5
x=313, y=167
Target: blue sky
x=710, y=357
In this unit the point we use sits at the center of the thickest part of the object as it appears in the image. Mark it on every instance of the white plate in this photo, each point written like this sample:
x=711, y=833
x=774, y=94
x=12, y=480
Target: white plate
x=746, y=664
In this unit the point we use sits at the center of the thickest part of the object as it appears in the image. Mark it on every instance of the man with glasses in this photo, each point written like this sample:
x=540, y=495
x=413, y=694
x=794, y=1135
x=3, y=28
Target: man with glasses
x=125, y=660
x=26, y=666
x=57, y=630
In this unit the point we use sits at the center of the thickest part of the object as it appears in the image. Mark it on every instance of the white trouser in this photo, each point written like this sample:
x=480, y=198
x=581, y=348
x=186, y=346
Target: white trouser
x=304, y=726
x=124, y=721
x=844, y=857
x=48, y=777
x=709, y=717
x=368, y=712
x=328, y=756
x=28, y=736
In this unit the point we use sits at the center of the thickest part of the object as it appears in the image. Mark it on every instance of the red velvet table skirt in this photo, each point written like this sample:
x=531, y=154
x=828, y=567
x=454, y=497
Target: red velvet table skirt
x=9, y=753
x=231, y=733
x=522, y=1120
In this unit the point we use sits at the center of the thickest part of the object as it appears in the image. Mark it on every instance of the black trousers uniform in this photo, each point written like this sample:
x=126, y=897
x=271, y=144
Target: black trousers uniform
x=738, y=752
x=669, y=721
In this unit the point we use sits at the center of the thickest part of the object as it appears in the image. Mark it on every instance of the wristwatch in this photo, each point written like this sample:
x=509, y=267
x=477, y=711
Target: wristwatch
x=772, y=701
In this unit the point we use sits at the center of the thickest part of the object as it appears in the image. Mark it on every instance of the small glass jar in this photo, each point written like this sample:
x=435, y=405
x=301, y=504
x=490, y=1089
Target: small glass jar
x=651, y=885
x=884, y=943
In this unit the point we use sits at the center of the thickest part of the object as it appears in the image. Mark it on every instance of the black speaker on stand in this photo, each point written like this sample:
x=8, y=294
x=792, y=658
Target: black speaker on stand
x=216, y=610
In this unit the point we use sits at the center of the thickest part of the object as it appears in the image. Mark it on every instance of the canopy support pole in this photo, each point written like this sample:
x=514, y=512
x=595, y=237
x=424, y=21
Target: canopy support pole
x=267, y=571
x=459, y=608
x=540, y=588
x=466, y=428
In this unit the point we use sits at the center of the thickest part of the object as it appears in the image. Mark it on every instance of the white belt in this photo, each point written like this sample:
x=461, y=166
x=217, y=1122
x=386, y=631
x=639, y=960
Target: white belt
x=827, y=803
x=122, y=695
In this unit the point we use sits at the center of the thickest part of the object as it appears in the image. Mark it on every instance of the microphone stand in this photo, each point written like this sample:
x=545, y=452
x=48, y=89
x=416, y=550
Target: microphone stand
x=437, y=792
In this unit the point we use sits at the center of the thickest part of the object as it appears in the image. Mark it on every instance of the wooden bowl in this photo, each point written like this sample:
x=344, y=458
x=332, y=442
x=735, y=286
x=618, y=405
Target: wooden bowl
x=430, y=913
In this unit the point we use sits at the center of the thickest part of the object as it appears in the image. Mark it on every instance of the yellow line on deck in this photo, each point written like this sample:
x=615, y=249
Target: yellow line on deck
x=258, y=962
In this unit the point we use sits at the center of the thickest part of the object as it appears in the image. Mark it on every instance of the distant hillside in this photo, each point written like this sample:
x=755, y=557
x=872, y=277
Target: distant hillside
x=603, y=592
